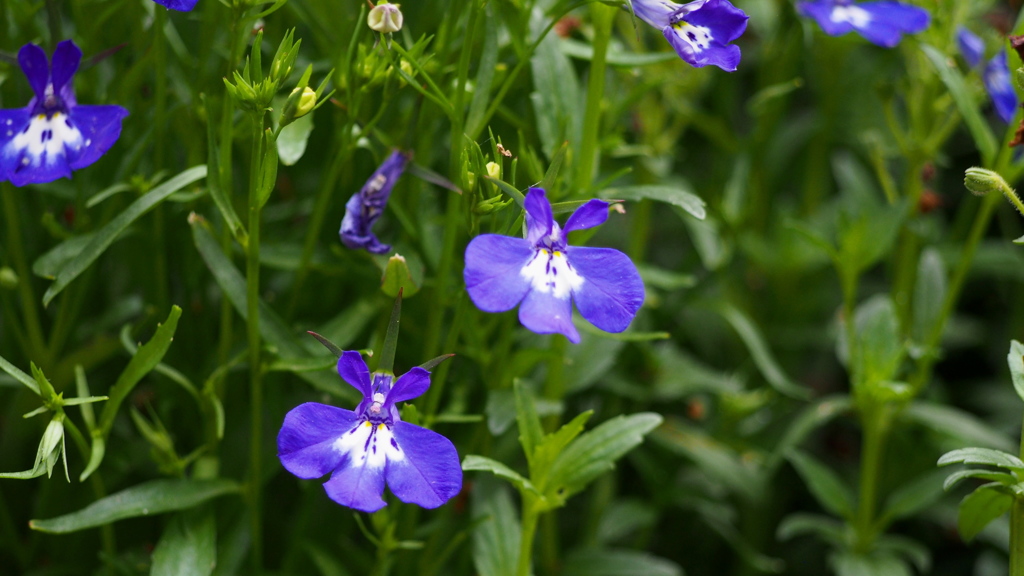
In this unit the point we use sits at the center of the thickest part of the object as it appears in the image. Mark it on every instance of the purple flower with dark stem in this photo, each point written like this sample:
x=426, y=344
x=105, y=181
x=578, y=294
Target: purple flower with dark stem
x=997, y=81
x=53, y=135
x=366, y=206
x=179, y=5
x=882, y=23
x=971, y=46
x=365, y=448
x=699, y=31
x=546, y=274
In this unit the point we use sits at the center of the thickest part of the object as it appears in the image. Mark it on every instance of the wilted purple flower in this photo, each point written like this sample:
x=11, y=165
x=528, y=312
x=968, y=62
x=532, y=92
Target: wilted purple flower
x=53, y=135
x=971, y=46
x=366, y=206
x=179, y=5
x=546, y=274
x=882, y=23
x=365, y=448
x=699, y=31
x=997, y=81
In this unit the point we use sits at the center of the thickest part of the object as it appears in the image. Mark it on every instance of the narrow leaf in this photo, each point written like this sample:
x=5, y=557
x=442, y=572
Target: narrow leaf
x=1015, y=359
x=979, y=508
x=825, y=484
x=188, y=546
x=975, y=455
x=680, y=195
x=965, y=102
x=20, y=376
x=472, y=462
x=530, y=431
x=760, y=353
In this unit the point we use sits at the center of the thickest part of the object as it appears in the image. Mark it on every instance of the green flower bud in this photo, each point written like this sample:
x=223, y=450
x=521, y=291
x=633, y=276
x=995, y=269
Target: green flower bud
x=397, y=276
x=981, y=181
x=385, y=18
x=1018, y=78
x=493, y=170
x=8, y=278
x=300, y=102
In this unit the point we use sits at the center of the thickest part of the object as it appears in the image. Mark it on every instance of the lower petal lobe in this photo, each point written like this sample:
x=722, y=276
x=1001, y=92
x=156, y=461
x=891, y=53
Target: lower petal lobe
x=358, y=487
x=612, y=291
x=492, y=270
x=305, y=443
x=543, y=313
x=429, y=474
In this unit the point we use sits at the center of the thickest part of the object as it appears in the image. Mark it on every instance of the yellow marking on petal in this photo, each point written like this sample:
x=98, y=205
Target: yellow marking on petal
x=558, y=254
x=41, y=117
x=368, y=424
x=380, y=426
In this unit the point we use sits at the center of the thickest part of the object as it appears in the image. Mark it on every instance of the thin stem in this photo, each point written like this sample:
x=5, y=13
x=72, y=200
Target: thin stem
x=252, y=277
x=30, y=313
x=1017, y=538
x=526, y=534
x=159, y=131
x=875, y=424
x=603, y=16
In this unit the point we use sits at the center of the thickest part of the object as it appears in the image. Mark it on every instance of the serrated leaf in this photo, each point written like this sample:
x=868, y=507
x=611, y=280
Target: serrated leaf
x=979, y=508
x=680, y=195
x=105, y=236
x=146, y=499
x=595, y=452
x=472, y=462
x=826, y=486
x=987, y=456
x=187, y=547
x=551, y=446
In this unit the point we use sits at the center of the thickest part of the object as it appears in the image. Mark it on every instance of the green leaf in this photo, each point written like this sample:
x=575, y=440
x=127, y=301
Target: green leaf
x=472, y=462
x=50, y=264
x=586, y=562
x=813, y=416
x=827, y=487
x=760, y=352
x=530, y=432
x=879, y=347
x=105, y=236
x=982, y=473
x=188, y=546
x=552, y=445
x=965, y=102
x=929, y=292
x=268, y=175
x=964, y=426
x=720, y=463
x=20, y=376
x=148, y=498
x=616, y=56
x=680, y=195
x=559, y=113
x=914, y=496
x=847, y=563
x=987, y=456
x=484, y=73
x=291, y=142
x=828, y=529
x=551, y=176
x=147, y=357
x=979, y=508
x=1015, y=359
x=496, y=539
x=217, y=192
x=595, y=452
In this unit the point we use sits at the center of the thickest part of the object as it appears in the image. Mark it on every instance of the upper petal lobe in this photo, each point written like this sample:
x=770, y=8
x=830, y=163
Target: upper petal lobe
x=492, y=270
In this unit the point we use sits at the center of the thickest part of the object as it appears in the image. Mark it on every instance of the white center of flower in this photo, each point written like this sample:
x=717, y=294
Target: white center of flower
x=378, y=401
x=46, y=136
x=551, y=272
x=370, y=445
x=855, y=15
x=698, y=37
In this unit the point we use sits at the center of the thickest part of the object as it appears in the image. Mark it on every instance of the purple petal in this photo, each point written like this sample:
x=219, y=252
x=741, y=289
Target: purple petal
x=726, y=57
x=539, y=220
x=657, y=13
x=12, y=122
x=1000, y=87
x=352, y=369
x=305, y=443
x=409, y=385
x=612, y=291
x=543, y=313
x=358, y=487
x=179, y=5
x=593, y=213
x=492, y=272
x=821, y=12
x=725, y=21
x=429, y=474
x=366, y=206
x=36, y=68
x=64, y=64
x=971, y=46
x=100, y=127
x=906, y=18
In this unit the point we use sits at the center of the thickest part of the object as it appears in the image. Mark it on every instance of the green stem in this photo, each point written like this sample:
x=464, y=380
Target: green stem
x=554, y=386
x=252, y=277
x=16, y=250
x=160, y=133
x=875, y=425
x=1017, y=538
x=527, y=531
x=603, y=16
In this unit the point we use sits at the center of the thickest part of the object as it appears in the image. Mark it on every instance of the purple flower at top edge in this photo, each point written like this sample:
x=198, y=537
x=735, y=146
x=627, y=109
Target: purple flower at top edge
x=971, y=46
x=546, y=275
x=882, y=23
x=366, y=206
x=179, y=5
x=997, y=81
x=699, y=31
x=364, y=449
x=53, y=135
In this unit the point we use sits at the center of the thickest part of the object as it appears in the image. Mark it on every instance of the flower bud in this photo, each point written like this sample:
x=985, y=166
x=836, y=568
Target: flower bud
x=385, y=18
x=8, y=278
x=397, y=276
x=493, y=170
x=300, y=102
x=981, y=181
x=1018, y=78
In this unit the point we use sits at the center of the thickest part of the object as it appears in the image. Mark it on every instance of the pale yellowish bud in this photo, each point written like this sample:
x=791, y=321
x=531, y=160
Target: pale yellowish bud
x=385, y=18
x=493, y=170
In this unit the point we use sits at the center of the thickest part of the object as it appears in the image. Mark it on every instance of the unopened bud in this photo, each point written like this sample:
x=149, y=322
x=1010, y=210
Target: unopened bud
x=397, y=276
x=493, y=170
x=8, y=278
x=300, y=102
x=981, y=181
x=385, y=18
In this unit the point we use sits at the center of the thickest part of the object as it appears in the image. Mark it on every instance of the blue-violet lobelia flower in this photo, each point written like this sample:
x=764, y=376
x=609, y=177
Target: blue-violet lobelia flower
x=365, y=448
x=995, y=76
x=179, y=5
x=366, y=206
x=53, y=135
x=700, y=31
x=546, y=274
x=882, y=23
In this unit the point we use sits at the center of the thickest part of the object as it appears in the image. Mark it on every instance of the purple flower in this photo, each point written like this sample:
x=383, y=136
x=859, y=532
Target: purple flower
x=997, y=81
x=365, y=448
x=546, y=274
x=971, y=46
x=366, y=206
x=882, y=23
x=179, y=5
x=53, y=135
x=699, y=31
